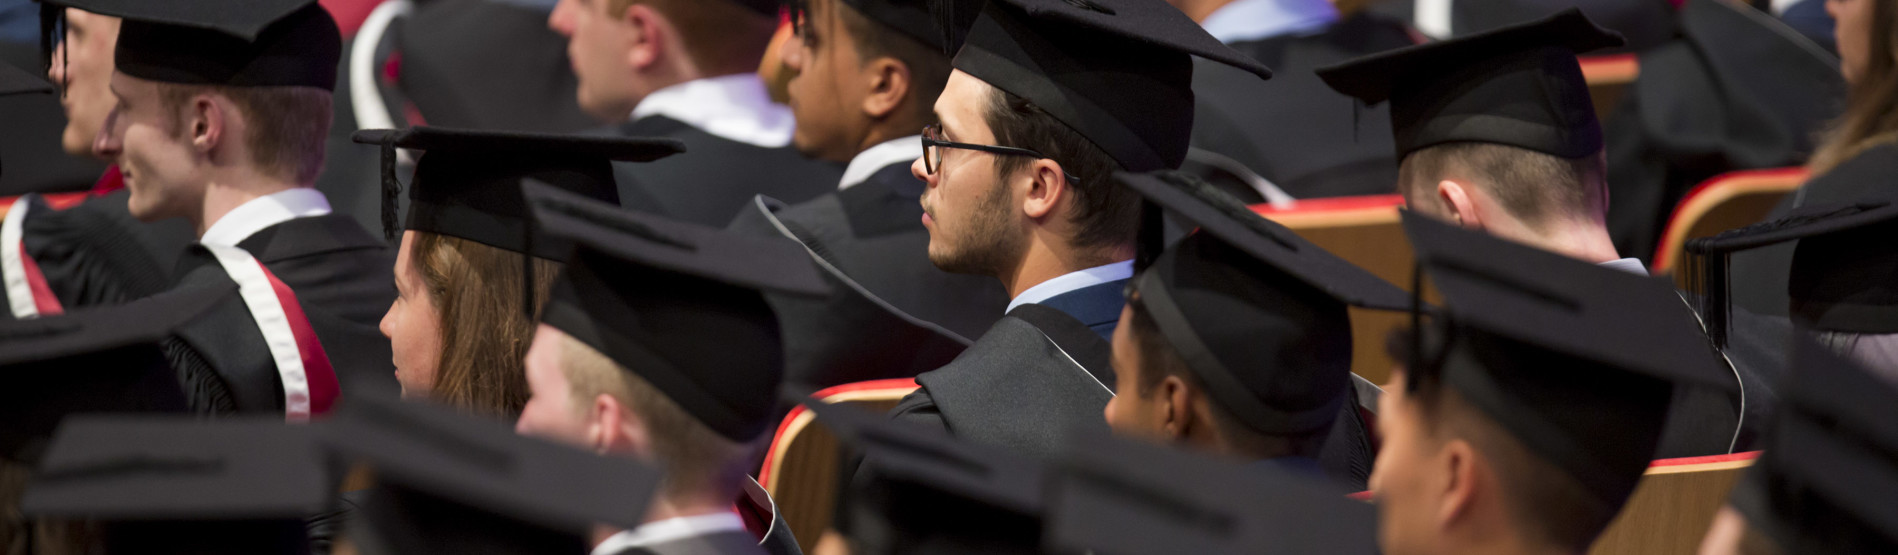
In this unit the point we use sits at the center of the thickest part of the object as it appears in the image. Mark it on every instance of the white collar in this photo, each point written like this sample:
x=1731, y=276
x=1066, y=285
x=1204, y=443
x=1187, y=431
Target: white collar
x=265, y=211
x=1246, y=20
x=1072, y=281
x=1629, y=265
x=671, y=530
x=736, y=107
x=881, y=156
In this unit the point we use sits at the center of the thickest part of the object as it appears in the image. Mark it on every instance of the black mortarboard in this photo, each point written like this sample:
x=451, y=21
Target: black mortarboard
x=1830, y=468
x=1577, y=361
x=921, y=491
x=1119, y=72
x=1518, y=85
x=109, y=359
x=676, y=303
x=185, y=485
x=918, y=19
x=1844, y=274
x=1256, y=311
x=468, y=184
x=448, y=482
x=234, y=43
x=1117, y=496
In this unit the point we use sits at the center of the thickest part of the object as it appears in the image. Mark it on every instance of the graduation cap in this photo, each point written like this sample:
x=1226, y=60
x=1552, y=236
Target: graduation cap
x=109, y=359
x=768, y=8
x=922, y=491
x=1123, y=497
x=1256, y=311
x=1844, y=274
x=1119, y=72
x=184, y=485
x=1577, y=361
x=677, y=304
x=1518, y=85
x=916, y=19
x=449, y=482
x=1830, y=468
x=233, y=43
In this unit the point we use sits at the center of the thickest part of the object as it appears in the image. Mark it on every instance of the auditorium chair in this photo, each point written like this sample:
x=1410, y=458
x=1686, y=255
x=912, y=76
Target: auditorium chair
x=1364, y=231
x=1727, y=201
x=1608, y=77
x=1672, y=508
x=804, y=464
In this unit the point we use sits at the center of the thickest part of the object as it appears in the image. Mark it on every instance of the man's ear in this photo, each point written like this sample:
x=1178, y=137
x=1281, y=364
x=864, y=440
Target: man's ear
x=647, y=31
x=1047, y=187
x=889, y=86
x=1458, y=465
x=615, y=429
x=1176, y=402
x=1459, y=201
x=205, y=122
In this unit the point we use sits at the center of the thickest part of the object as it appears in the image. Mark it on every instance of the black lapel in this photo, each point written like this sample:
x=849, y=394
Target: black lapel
x=1080, y=343
x=309, y=236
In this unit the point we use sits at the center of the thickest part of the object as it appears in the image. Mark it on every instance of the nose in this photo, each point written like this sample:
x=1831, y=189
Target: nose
x=792, y=54
x=110, y=141
x=561, y=20
x=921, y=171
x=388, y=322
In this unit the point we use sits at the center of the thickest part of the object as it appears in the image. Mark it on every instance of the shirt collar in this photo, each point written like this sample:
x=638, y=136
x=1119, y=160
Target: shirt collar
x=883, y=155
x=1629, y=265
x=1072, y=281
x=1248, y=20
x=671, y=530
x=735, y=107
x=265, y=211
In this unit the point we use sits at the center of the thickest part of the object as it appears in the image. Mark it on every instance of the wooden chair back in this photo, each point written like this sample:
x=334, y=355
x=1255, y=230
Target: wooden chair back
x=1727, y=201
x=1364, y=231
x=803, y=466
x=1672, y=508
x=1608, y=79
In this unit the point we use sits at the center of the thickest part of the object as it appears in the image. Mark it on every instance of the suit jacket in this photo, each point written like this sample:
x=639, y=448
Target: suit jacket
x=340, y=275
x=96, y=254
x=870, y=243
x=1305, y=138
x=724, y=543
x=716, y=177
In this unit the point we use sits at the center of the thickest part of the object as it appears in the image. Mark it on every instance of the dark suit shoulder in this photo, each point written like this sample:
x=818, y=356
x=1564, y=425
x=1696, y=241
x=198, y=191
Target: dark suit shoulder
x=920, y=409
x=716, y=176
x=1016, y=388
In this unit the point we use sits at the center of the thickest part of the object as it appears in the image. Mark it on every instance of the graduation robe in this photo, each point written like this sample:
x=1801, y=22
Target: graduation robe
x=95, y=253
x=892, y=313
x=716, y=177
x=1645, y=23
x=1293, y=130
x=1760, y=276
x=340, y=275
x=723, y=543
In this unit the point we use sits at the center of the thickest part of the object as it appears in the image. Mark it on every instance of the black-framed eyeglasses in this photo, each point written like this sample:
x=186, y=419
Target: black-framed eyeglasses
x=933, y=144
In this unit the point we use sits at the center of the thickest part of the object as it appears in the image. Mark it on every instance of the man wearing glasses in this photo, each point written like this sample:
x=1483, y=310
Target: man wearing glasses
x=1049, y=98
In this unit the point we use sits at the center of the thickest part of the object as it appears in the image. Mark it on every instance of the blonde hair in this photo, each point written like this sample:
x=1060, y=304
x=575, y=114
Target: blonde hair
x=1871, y=113
x=696, y=458
x=485, y=331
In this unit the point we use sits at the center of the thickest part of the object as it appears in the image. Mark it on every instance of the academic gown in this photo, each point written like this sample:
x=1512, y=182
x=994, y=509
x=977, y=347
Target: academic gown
x=340, y=276
x=1293, y=130
x=96, y=254
x=1760, y=276
x=892, y=313
x=716, y=177
x=1644, y=23
x=723, y=543
x=1737, y=90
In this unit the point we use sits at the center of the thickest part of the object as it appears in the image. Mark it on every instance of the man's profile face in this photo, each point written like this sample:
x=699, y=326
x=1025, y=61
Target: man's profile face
x=1400, y=478
x=827, y=87
x=551, y=412
x=153, y=144
x=599, y=47
x=970, y=212
x=82, y=66
x=1130, y=413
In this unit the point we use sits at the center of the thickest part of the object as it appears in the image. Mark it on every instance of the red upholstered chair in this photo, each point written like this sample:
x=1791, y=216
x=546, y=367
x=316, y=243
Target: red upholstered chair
x=1363, y=230
x=1727, y=201
x=802, y=467
x=1675, y=503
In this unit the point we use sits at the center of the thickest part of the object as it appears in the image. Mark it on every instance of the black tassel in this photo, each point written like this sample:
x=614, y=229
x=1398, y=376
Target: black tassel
x=1416, y=362
x=391, y=192
x=52, y=33
x=1151, y=238
x=1718, y=302
x=946, y=22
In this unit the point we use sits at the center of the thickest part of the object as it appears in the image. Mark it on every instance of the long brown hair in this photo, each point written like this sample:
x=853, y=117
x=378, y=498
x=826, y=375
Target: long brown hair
x=476, y=290
x=1871, y=112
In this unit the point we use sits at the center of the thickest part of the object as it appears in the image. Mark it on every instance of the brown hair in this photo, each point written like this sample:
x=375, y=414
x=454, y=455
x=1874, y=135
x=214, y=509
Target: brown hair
x=288, y=126
x=1871, y=112
x=1108, y=214
x=720, y=36
x=696, y=458
x=476, y=289
x=1533, y=186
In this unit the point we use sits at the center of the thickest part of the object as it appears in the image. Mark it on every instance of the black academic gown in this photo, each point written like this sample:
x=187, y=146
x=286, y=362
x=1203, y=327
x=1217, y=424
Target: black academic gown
x=95, y=254
x=725, y=543
x=1293, y=130
x=716, y=177
x=892, y=313
x=1737, y=90
x=1037, y=375
x=340, y=275
x=1645, y=23
x=1760, y=276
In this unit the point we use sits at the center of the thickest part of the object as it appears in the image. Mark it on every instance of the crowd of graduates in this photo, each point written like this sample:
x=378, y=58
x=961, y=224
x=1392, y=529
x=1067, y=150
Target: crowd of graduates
x=544, y=276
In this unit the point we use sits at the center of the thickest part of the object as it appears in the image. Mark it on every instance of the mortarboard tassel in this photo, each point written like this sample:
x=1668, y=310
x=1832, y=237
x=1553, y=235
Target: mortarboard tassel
x=1152, y=235
x=946, y=22
x=391, y=190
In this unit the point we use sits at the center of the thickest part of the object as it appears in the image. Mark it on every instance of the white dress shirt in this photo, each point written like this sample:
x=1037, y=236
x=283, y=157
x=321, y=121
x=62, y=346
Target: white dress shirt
x=735, y=107
x=265, y=211
x=1247, y=20
x=1629, y=265
x=1073, y=281
x=868, y=162
x=671, y=530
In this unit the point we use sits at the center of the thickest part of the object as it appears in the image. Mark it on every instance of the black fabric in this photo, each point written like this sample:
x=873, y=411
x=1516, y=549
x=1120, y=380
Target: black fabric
x=1645, y=23
x=1338, y=148
x=913, y=18
x=722, y=543
x=1847, y=281
x=482, y=64
x=1093, y=352
x=32, y=155
x=1759, y=277
x=1118, y=72
x=1518, y=86
x=1737, y=90
x=90, y=255
x=300, y=48
x=1014, y=388
x=718, y=178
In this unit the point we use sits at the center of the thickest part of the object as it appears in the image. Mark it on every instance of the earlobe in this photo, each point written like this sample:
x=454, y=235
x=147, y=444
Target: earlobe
x=1456, y=200
x=645, y=36
x=889, y=87
x=208, y=126
x=1178, y=405
x=1047, y=185
x=1459, y=487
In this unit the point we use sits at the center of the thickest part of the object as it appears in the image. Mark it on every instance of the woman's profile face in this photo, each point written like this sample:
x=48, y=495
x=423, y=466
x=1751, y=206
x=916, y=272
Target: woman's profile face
x=413, y=326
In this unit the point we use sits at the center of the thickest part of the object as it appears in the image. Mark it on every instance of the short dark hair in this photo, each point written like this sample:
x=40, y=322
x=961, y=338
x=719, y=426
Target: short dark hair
x=1549, y=503
x=928, y=66
x=1158, y=359
x=721, y=37
x=1531, y=185
x=1108, y=214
